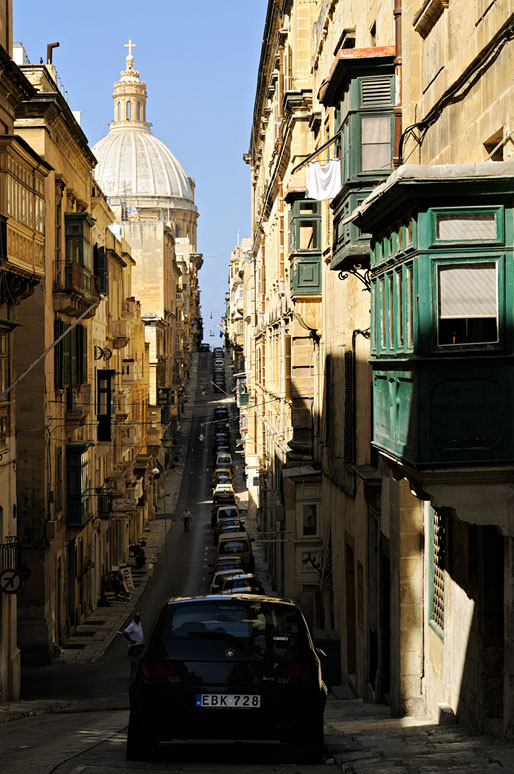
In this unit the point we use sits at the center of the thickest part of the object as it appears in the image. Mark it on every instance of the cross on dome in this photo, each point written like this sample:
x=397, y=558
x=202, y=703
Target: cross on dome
x=130, y=46
x=130, y=57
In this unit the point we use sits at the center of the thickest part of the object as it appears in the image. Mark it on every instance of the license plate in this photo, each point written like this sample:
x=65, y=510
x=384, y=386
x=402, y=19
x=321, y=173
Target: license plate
x=228, y=700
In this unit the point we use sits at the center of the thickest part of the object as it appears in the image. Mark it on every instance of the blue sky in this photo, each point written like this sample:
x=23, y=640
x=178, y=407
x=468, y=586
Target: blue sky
x=200, y=62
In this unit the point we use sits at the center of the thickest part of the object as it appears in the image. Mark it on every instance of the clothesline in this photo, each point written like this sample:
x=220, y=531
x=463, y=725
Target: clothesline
x=315, y=153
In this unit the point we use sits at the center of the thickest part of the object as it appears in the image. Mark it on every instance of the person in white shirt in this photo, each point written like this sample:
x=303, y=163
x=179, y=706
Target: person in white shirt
x=187, y=519
x=134, y=634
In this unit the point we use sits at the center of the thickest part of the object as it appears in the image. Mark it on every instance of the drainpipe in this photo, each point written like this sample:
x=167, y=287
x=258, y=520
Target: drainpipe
x=397, y=13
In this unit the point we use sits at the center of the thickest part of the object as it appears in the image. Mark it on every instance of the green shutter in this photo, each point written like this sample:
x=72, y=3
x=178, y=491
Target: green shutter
x=66, y=357
x=72, y=336
x=58, y=355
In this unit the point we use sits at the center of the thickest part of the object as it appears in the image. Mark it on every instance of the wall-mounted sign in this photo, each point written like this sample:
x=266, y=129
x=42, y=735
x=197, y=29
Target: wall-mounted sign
x=124, y=504
x=120, y=516
x=11, y=582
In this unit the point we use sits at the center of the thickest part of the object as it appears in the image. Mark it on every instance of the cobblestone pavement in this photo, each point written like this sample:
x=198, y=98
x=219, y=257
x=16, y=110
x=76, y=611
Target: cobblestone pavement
x=360, y=738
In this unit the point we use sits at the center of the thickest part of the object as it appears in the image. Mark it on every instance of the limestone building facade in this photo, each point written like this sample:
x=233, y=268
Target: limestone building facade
x=23, y=175
x=381, y=453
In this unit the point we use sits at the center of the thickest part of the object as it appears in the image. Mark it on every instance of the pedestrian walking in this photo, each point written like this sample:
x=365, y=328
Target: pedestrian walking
x=186, y=519
x=134, y=634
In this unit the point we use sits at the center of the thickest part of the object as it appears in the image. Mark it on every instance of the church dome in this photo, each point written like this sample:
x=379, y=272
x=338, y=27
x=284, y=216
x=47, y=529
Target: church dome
x=131, y=161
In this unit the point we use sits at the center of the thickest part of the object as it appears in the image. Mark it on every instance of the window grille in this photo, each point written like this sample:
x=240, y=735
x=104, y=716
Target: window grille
x=438, y=567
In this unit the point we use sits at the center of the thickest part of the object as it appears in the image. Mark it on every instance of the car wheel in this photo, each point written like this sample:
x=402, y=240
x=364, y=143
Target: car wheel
x=311, y=747
x=140, y=743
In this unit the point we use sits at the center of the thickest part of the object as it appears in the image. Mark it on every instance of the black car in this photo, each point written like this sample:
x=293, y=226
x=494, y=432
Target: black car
x=228, y=667
x=205, y=347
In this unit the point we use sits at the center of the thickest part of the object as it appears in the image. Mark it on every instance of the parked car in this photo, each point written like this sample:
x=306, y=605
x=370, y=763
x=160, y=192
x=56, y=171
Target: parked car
x=244, y=583
x=223, y=460
x=235, y=524
x=219, y=473
x=223, y=511
x=227, y=562
x=238, y=543
x=205, y=347
x=228, y=667
x=221, y=412
x=222, y=489
x=220, y=575
x=228, y=529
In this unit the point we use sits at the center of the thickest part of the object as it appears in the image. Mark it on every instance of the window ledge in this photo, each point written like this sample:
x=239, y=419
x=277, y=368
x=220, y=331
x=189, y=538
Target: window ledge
x=428, y=14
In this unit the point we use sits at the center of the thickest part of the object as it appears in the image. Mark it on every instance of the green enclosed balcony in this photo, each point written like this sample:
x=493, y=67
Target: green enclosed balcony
x=442, y=305
x=77, y=501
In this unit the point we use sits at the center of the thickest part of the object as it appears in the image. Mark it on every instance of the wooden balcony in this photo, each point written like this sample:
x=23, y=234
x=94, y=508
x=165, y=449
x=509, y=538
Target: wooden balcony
x=75, y=290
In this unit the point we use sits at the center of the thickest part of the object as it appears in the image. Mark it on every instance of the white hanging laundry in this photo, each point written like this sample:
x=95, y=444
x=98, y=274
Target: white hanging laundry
x=323, y=182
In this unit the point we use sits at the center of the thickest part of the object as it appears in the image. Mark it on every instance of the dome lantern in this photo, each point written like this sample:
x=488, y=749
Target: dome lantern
x=130, y=94
x=132, y=163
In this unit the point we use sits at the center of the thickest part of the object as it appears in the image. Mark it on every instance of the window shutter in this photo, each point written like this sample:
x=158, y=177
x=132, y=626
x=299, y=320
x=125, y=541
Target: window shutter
x=469, y=290
x=66, y=357
x=58, y=359
x=73, y=358
x=100, y=268
x=82, y=362
x=348, y=407
x=376, y=91
x=287, y=365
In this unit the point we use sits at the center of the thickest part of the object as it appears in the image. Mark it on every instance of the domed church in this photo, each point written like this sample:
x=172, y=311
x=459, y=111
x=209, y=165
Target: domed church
x=135, y=169
x=153, y=202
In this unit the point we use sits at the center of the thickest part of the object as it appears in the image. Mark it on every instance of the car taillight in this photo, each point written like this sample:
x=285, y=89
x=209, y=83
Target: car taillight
x=160, y=672
x=295, y=673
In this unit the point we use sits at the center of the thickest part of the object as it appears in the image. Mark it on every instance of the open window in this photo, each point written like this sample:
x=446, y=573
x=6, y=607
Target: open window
x=467, y=297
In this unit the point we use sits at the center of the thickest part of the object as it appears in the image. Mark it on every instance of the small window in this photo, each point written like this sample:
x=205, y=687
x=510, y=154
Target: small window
x=467, y=303
x=128, y=111
x=310, y=520
x=119, y=111
x=138, y=111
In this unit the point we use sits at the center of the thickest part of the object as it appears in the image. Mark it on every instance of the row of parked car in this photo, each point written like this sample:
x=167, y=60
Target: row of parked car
x=235, y=664
x=218, y=370
x=233, y=569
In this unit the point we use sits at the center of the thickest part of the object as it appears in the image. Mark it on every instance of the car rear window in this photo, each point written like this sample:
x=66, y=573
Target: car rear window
x=256, y=629
x=234, y=547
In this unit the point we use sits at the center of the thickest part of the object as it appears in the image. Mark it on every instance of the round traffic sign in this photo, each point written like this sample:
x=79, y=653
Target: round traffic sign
x=11, y=581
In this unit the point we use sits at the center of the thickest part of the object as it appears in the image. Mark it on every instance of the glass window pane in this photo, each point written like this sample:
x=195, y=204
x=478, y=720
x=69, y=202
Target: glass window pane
x=466, y=226
x=376, y=129
x=376, y=157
